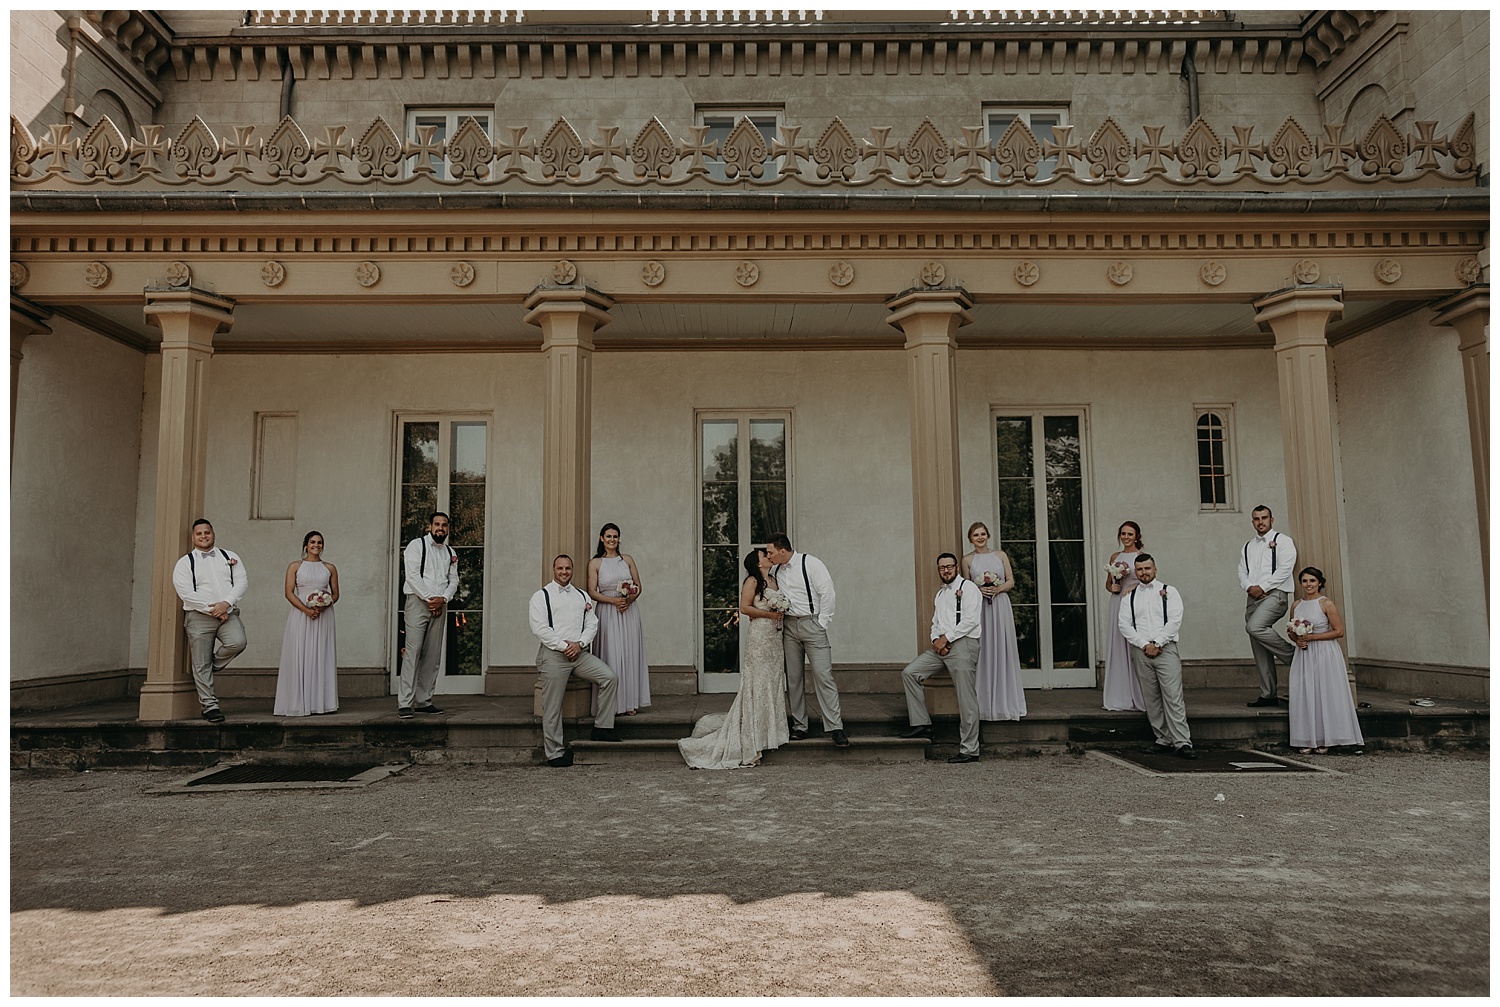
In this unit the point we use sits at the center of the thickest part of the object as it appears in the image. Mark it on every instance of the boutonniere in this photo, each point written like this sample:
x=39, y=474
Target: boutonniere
x=588, y=606
x=1163, y=592
x=233, y=561
x=959, y=594
x=452, y=556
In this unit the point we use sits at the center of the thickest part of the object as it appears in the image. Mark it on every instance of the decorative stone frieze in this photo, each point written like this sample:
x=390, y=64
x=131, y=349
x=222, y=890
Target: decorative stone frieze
x=1119, y=273
x=1387, y=270
x=746, y=274
x=96, y=274
x=1211, y=274
x=273, y=274
x=653, y=273
x=1381, y=155
x=841, y=274
x=367, y=274
x=462, y=274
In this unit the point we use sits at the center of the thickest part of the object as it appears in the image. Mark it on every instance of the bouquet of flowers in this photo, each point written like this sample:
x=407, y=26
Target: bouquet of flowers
x=988, y=580
x=1299, y=627
x=629, y=589
x=319, y=599
x=1117, y=570
x=776, y=601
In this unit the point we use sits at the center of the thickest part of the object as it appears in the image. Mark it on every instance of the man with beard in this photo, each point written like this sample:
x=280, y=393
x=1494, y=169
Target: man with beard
x=210, y=581
x=955, y=646
x=431, y=582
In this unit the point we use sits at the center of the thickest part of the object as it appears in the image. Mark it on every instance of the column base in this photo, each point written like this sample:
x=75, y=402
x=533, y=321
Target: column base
x=169, y=701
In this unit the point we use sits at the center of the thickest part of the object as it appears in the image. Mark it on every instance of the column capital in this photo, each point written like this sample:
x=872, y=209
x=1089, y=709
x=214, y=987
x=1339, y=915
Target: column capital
x=188, y=316
x=28, y=318
x=1299, y=315
x=919, y=301
x=1468, y=311
x=545, y=303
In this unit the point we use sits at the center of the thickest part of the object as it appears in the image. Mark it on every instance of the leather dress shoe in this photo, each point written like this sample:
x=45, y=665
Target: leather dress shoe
x=795, y=735
x=563, y=761
x=917, y=731
x=604, y=734
x=429, y=708
x=1265, y=701
x=213, y=715
x=961, y=757
x=404, y=712
x=840, y=740
x=1186, y=752
x=1160, y=749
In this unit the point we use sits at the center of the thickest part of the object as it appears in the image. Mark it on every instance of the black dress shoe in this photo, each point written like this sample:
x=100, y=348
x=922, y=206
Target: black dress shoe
x=214, y=715
x=839, y=739
x=1186, y=752
x=404, y=712
x=796, y=735
x=563, y=761
x=604, y=734
x=429, y=708
x=961, y=757
x=1160, y=750
x=1265, y=701
x=917, y=731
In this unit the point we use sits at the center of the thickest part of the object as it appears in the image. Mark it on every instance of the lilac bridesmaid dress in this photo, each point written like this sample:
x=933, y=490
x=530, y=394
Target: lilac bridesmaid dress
x=1319, y=706
x=621, y=642
x=308, y=679
x=1122, y=690
x=998, y=679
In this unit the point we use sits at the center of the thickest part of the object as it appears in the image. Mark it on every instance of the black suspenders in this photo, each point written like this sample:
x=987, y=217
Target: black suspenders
x=1163, y=607
x=583, y=623
x=422, y=567
x=812, y=606
x=193, y=568
x=1273, y=554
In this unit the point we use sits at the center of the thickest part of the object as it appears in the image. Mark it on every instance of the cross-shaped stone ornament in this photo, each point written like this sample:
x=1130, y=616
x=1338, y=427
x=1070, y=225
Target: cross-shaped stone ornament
x=1425, y=145
x=513, y=148
x=241, y=147
x=973, y=149
x=698, y=148
x=1154, y=149
x=1065, y=150
x=59, y=145
x=608, y=149
x=789, y=150
x=881, y=149
x=1242, y=148
x=425, y=149
x=149, y=148
x=333, y=148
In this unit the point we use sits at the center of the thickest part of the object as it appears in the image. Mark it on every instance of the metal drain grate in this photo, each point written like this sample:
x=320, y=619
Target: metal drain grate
x=281, y=774
x=1233, y=761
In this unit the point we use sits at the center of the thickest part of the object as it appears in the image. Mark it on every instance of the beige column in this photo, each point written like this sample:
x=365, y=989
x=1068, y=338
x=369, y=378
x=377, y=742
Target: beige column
x=568, y=317
x=189, y=319
x=930, y=320
x=1299, y=318
x=1469, y=313
x=26, y=319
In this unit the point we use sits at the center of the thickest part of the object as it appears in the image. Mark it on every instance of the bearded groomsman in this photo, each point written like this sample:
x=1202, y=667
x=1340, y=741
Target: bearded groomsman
x=1150, y=619
x=431, y=568
x=1267, y=563
x=210, y=581
x=564, y=623
x=955, y=646
x=804, y=635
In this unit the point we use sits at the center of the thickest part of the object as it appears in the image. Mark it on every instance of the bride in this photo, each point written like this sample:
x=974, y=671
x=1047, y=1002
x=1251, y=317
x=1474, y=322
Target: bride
x=757, y=718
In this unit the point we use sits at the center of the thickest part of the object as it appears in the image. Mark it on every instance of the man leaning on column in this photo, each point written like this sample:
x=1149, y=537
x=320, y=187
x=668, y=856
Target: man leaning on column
x=210, y=581
x=1267, y=563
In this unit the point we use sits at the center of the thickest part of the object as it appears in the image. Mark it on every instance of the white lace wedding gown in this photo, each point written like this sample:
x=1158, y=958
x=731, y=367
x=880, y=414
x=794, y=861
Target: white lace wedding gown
x=757, y=719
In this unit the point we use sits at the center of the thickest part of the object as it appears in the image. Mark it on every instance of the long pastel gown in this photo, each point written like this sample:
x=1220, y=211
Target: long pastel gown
x=998, y=679
x=1319, y=705
x=1122, y=690
x=621, y=641
x=308, y=679
x=756, y=720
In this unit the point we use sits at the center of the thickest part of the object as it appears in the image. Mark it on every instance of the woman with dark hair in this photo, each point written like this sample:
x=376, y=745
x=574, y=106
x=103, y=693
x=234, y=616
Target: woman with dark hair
x=756, y=720
x=1122, y=690
x=997, y=679
x=615, y=584
x=1319, y=704
x=308, y=679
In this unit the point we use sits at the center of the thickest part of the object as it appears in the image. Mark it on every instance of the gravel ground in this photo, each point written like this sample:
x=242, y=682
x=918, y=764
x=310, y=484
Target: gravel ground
x=1059, y=875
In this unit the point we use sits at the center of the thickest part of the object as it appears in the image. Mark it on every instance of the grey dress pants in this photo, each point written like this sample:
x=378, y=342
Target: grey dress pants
x=1161, y=688
x=1265, y=643
x=962, y=662
x=803, y=636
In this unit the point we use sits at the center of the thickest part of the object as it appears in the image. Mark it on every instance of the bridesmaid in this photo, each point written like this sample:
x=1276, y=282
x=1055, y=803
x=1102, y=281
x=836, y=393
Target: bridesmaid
x=615, y=584
x=998, y=679
x=1122, y=691
x=1319, y=705
x=307, y=681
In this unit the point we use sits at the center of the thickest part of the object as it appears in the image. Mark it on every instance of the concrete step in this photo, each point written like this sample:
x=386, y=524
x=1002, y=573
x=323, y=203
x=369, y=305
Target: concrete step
x=870, y=748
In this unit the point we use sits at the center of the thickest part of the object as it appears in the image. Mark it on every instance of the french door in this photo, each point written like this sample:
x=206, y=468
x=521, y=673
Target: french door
x=442, y=465
x=742, y=475
x=1042, y=477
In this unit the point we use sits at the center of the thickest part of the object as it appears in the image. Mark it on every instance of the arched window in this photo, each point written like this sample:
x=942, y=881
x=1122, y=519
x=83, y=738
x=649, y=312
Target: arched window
x=1215, y=458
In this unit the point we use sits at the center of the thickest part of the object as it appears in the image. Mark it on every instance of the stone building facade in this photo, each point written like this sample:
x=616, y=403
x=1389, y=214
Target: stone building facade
x=867, y=277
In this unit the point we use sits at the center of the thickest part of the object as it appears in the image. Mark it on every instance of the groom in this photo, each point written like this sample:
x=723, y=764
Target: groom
x=804, y=633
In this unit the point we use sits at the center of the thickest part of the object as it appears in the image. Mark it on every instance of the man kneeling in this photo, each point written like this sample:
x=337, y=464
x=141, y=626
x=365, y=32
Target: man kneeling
x=563, y=620
x=955, y=646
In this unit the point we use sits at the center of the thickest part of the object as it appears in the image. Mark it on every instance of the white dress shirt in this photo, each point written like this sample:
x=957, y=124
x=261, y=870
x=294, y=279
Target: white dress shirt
x=438, y=577
x=573, y=619
x=792, y=583
x=213, y=575
x=1258, y=570
x=955, y=610
x=1142, y=620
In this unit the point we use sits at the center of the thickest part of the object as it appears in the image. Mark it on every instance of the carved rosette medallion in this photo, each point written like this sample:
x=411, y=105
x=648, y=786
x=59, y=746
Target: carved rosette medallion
x=179, y=274
x=96, y=274
x=841, y=274
x=462, y=274
x=1306, y=271
x=273, y=274
x=1028, y=273
x=1387, y=270
x=653, y=273
x=367, y=274
x=1120, y=273
x=933, y=274
x=1468, y=270
x=564, y=271
x=19, y=274
x=746, y=273
x=1211, y=274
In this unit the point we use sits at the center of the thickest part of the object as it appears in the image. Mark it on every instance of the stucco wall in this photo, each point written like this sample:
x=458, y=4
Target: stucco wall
x=73, y=503
x=38, y=67
x=1412, y=530
x=1143, y=450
